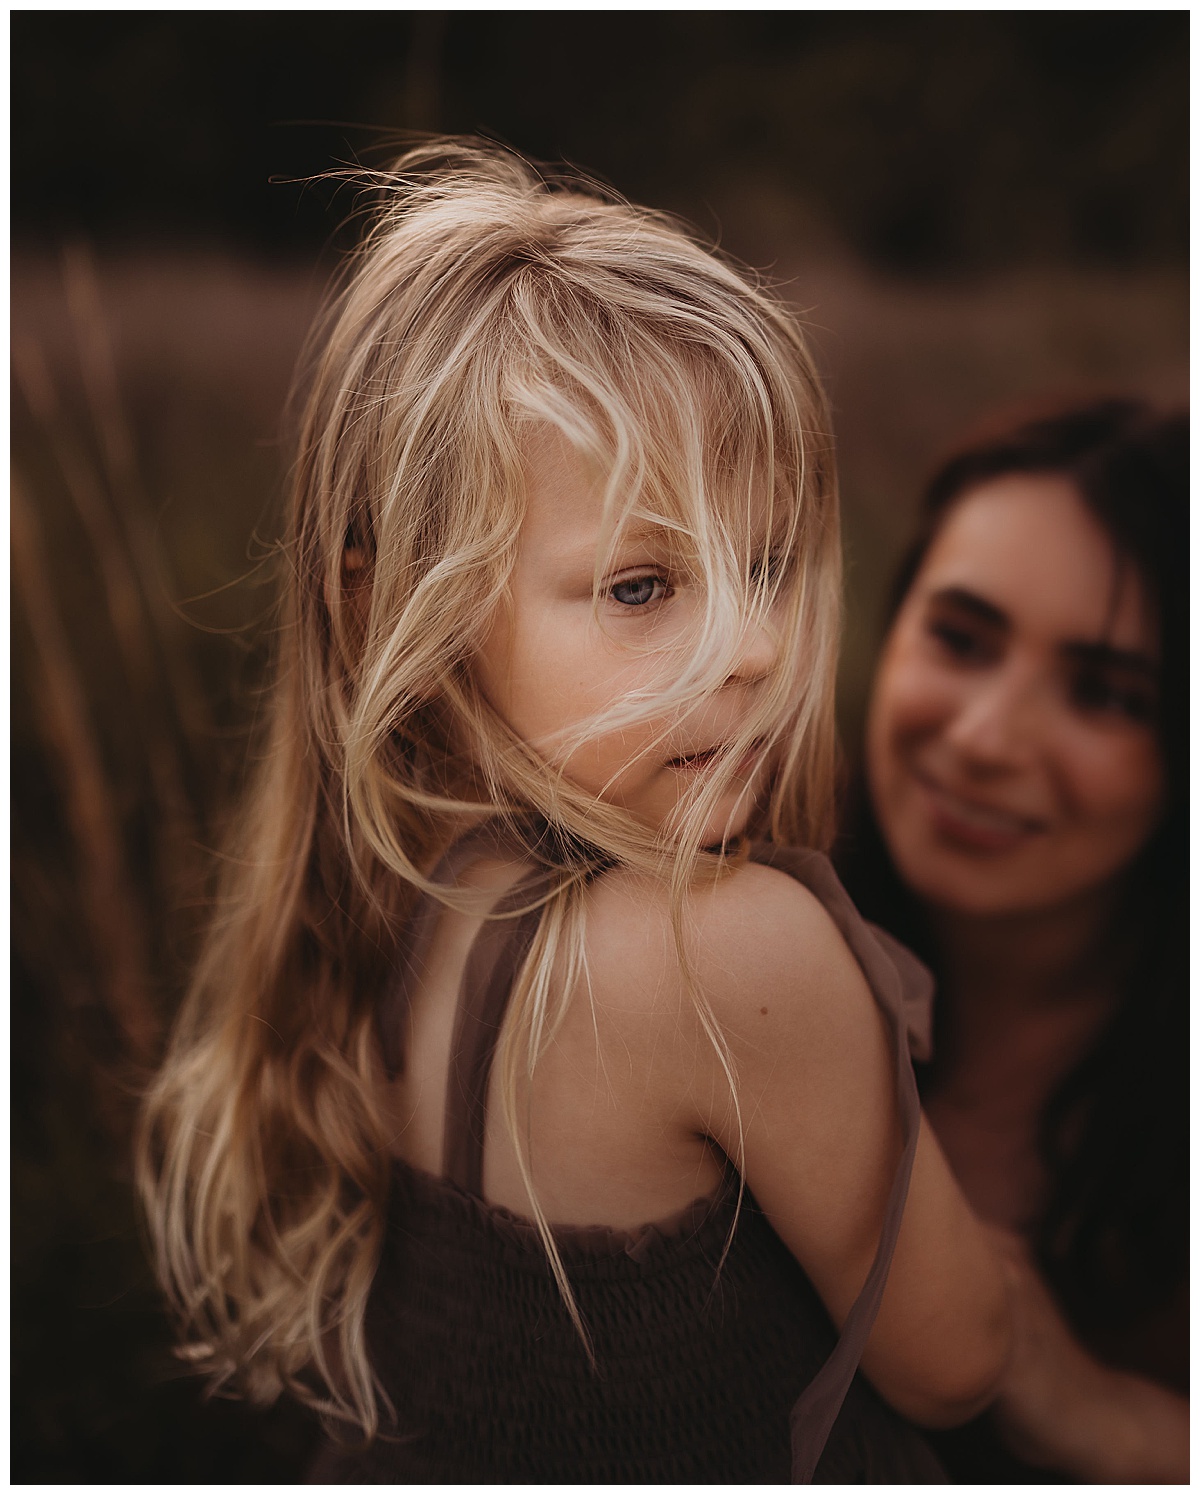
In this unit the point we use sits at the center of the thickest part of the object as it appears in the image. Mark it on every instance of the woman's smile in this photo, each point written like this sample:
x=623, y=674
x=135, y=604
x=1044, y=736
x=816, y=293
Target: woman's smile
x=973, y=824
x=1012, y=750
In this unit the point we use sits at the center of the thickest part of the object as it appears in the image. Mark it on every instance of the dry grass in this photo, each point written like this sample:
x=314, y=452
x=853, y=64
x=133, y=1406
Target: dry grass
x=149, y=465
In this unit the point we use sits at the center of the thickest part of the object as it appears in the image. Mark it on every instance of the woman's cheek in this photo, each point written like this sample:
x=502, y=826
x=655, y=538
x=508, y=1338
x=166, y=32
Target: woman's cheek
x=1114, y=781
x=914, y=700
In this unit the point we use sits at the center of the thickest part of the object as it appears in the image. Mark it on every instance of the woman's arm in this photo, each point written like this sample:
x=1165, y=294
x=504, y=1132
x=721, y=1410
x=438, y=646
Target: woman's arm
x=1059, y=1408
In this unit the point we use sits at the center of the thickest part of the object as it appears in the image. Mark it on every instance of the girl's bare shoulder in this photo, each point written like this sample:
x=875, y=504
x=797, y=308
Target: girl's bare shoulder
x=754, y=934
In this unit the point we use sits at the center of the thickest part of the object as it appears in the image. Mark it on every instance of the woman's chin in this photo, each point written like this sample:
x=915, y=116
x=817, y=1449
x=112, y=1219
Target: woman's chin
x=977, y=893
x=954, y=886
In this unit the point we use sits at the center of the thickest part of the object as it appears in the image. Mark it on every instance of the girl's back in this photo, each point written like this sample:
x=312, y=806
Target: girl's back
x=703, y=1327
x=609, y=1130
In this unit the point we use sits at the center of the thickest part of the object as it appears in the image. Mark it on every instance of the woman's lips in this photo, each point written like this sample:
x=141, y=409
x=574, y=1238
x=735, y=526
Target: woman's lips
x=972, y=824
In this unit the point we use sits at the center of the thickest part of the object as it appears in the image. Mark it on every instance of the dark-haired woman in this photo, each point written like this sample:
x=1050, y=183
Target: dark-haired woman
x=1024, y=828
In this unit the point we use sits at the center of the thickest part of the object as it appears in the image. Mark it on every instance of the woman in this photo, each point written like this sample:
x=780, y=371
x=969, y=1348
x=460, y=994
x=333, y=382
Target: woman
x=1025, y=830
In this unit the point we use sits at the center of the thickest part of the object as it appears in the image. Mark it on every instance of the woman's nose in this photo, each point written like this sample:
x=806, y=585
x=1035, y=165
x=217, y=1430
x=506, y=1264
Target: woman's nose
x=996, y=724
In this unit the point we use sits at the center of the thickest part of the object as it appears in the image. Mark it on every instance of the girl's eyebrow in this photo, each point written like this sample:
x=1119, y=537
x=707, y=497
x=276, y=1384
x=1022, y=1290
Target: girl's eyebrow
x=641, y=531
x=642, y=534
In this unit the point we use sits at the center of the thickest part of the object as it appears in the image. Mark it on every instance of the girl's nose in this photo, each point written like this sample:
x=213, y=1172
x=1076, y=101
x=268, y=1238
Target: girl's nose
x=996, y=725
x=758, y=650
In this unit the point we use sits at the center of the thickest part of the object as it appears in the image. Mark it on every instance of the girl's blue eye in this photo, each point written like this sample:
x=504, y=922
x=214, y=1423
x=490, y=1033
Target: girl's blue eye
x=638, y=591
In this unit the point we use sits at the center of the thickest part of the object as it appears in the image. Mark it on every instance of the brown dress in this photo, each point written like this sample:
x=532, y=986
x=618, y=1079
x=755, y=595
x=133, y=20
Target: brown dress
x=705, y=1370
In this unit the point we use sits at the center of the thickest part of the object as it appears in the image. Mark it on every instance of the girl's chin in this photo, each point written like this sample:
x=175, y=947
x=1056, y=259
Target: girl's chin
x=735, y=813
x=731, y=827
x=718, y=831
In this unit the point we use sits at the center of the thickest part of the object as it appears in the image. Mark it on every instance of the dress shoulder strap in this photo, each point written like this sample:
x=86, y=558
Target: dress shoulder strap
x=903, y=989
x=391, y=1016
x=496, y=956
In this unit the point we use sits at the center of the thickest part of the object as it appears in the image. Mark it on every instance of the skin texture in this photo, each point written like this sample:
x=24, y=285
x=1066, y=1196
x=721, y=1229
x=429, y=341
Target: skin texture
x=629, y=1106
x=553, y=660
x=630, y=1112
x=1013, y=768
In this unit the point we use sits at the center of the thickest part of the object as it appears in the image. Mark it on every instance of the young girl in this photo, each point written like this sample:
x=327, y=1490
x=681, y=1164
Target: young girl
x=523, y=1115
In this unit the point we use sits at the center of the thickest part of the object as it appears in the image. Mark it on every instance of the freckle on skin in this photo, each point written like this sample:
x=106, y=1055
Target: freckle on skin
x=763, y=1010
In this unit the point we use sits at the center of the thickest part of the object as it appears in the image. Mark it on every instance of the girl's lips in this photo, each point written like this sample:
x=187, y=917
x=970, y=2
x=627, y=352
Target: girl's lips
x=699, y=761
x=972, y=825
x=694, y=762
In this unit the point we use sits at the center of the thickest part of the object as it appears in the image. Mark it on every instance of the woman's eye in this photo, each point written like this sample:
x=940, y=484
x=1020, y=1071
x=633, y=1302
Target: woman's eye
x=638, y=591
x=1096, y=693
x=960, y=642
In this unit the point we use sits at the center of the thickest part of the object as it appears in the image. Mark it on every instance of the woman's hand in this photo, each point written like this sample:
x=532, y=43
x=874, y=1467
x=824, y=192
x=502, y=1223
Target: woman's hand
x=1059, y=1408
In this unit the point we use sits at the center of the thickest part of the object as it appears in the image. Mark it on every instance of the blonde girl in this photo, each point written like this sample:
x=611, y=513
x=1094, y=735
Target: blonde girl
x=541, y=1108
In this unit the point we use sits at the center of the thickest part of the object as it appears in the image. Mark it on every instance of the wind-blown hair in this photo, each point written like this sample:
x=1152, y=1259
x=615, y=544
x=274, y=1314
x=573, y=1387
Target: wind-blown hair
x=486, y=307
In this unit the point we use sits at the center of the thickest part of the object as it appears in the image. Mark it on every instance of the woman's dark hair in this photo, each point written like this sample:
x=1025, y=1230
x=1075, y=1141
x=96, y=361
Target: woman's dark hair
x=1114, y=1241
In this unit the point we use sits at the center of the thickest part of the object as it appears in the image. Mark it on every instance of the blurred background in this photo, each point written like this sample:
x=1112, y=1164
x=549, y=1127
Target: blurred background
x=972, y=212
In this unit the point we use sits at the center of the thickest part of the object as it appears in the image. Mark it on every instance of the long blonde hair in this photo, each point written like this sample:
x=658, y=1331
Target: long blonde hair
x=485, y=305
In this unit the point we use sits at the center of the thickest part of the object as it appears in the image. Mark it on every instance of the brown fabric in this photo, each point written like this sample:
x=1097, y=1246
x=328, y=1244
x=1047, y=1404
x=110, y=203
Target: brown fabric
x=694, y=1372
x=695, y=1369
x=392, y=1017
x=904, y=990
x=497, y=955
